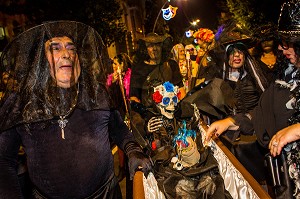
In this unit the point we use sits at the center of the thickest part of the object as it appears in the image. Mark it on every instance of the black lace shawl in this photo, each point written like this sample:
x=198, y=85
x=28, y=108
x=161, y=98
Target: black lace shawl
x=31, y=95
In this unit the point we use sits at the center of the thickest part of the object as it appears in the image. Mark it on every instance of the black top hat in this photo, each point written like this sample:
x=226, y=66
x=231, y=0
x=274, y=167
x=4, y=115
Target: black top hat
x=289, y=21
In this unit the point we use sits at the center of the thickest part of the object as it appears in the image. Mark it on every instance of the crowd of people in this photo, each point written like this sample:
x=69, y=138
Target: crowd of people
x=66, y=103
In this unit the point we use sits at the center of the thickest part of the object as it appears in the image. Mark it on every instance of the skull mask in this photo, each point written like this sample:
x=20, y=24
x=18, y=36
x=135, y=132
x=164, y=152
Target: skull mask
x=166, y=98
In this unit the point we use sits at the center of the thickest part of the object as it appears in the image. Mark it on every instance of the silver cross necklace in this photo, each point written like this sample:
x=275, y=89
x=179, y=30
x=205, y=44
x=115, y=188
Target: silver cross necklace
x=62, y=122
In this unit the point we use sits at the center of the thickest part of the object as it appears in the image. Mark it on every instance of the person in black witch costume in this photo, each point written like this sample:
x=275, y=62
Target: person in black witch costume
x=60, y=111
x=152, y=62
x=151, y=65
x=265, y=51
x=276, y=119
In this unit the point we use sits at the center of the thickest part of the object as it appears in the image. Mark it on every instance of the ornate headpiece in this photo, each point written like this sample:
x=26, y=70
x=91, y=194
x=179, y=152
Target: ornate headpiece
x=265, y=32
x=232, y=32
x=204, y=34
x=289, y=20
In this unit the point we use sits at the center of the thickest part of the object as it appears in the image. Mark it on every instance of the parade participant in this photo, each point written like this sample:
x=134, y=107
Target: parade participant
x=121, y=70
x=178, y=54
x=191, y=50
x=265, y=51
x=60, y=112
x=152, y=63
x=244, y=76
x=205, y=41
x=118, y=83
x=275, y=119
x=206, y=59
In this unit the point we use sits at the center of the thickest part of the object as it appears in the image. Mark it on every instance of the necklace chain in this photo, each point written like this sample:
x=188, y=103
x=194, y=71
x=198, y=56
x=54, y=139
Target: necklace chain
x=62, y=122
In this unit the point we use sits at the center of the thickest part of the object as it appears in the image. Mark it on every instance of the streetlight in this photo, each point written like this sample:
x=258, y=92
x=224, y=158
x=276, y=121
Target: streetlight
x=194, y=23
x=188, y=33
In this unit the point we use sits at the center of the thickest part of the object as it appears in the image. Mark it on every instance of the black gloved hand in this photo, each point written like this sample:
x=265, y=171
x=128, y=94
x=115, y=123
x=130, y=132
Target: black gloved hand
x=137, y=159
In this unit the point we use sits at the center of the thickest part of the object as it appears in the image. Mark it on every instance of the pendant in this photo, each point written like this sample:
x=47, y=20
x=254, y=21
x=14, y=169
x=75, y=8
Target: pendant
x=62, y=122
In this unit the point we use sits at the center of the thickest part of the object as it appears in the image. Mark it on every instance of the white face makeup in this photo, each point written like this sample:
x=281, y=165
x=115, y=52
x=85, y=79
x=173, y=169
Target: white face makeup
x=62, y=56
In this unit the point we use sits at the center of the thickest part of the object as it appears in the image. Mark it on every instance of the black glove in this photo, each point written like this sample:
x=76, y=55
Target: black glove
x=137, y=159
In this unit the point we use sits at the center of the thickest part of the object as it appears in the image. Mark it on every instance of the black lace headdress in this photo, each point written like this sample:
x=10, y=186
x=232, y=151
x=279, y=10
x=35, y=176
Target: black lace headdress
x=31, y=95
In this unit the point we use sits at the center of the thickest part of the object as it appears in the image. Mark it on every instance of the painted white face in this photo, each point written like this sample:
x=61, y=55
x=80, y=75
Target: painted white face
x=168, y=104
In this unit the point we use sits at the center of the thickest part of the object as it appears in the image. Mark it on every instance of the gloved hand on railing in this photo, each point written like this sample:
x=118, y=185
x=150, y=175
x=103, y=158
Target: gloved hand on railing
x=137, y=159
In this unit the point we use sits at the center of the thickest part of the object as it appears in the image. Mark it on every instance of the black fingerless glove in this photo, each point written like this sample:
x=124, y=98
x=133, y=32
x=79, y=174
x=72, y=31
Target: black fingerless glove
x=137, y=159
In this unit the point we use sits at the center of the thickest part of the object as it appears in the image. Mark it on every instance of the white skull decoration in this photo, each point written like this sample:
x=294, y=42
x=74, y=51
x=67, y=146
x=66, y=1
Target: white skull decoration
x=166, y=98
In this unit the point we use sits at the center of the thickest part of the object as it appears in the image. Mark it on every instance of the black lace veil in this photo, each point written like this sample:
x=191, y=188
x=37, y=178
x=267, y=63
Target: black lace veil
x=30, y=94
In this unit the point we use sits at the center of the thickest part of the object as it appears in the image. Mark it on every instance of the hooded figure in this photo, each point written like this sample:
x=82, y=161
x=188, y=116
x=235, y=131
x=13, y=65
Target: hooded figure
x=34, y=96
x=245, y=77
x=152, y=64
x=58, y=108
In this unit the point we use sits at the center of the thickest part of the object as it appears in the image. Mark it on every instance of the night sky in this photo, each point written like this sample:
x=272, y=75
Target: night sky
x=209, y=13
x=190, y=10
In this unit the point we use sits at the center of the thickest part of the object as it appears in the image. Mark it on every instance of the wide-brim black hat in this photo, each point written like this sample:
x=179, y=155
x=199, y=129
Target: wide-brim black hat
x=154, y=38
x=289, y=21
x=265, y=32
x=247, y=41
x=233, y=33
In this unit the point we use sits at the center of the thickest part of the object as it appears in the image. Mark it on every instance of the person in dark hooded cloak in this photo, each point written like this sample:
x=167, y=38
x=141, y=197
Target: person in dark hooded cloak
x=60, y=111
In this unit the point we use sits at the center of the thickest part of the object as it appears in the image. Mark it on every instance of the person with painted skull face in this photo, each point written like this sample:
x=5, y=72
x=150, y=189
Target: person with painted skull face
x=60, y=112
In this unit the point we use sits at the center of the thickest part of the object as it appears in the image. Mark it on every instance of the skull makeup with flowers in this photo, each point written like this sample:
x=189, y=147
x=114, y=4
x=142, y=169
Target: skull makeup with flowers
x=166, y=96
